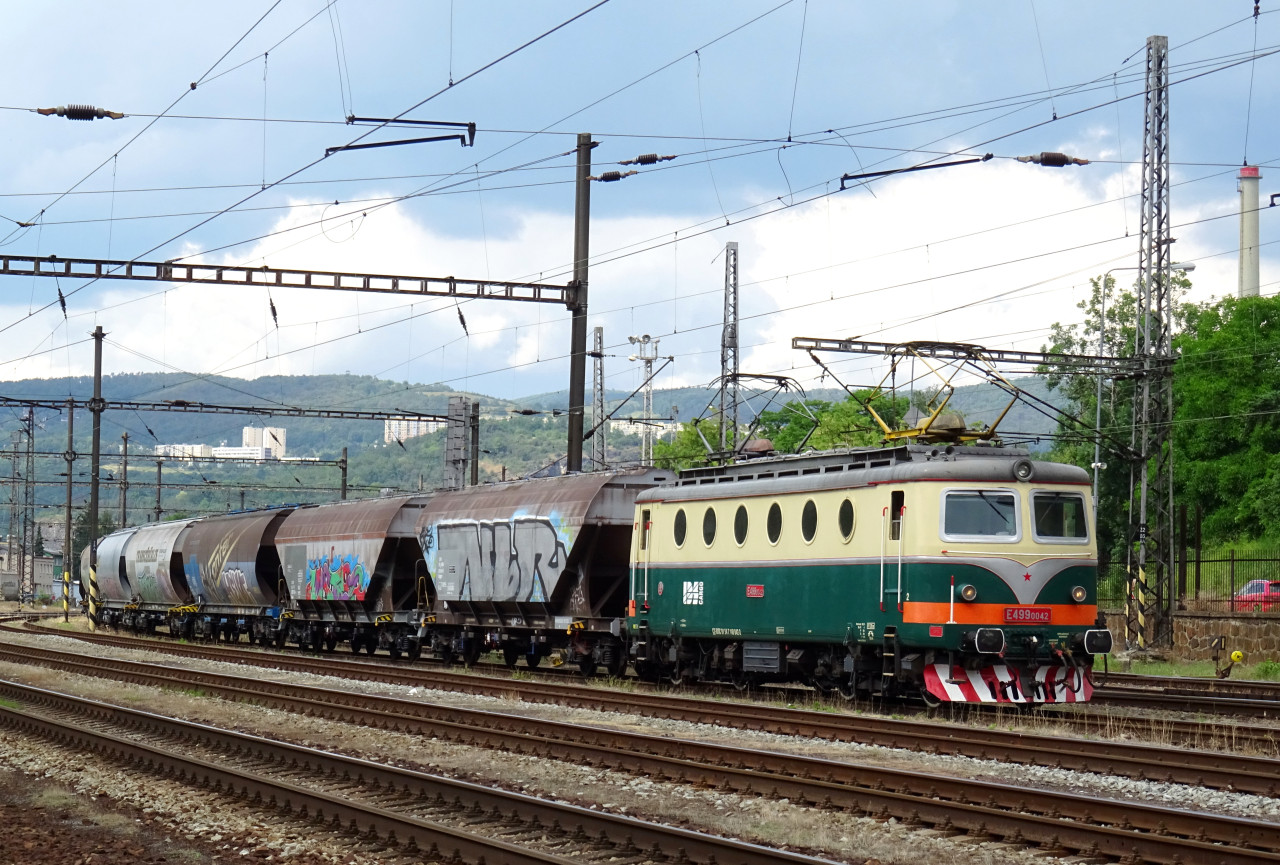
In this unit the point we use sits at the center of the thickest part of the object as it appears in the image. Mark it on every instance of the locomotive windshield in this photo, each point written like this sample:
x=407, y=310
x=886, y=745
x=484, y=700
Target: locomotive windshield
x=1059, y=517
x=980, y=514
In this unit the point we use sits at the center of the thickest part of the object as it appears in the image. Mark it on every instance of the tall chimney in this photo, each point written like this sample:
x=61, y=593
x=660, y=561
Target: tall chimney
x=1249, y=262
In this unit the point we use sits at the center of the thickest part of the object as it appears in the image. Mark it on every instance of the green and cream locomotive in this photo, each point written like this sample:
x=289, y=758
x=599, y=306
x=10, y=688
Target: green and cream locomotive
x=965, y=574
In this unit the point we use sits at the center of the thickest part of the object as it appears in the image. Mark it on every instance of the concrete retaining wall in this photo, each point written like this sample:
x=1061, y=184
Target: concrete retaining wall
x=1255, y=634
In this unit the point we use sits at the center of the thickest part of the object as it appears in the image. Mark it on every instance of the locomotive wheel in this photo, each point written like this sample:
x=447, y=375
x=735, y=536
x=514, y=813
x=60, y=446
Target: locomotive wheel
x=930, y=700
x=741, y=680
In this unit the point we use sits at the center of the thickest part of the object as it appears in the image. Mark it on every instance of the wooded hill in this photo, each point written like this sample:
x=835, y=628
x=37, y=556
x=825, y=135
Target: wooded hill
x=513, y=443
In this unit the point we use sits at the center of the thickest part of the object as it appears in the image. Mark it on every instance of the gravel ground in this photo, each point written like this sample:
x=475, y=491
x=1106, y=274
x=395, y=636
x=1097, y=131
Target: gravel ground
x=839, y=836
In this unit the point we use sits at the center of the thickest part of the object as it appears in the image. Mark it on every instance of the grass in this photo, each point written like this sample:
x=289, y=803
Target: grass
x=1265, y=669
x=9, y=704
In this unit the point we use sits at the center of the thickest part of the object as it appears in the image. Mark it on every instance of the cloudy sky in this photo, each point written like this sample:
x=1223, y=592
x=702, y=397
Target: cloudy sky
x=764, y=105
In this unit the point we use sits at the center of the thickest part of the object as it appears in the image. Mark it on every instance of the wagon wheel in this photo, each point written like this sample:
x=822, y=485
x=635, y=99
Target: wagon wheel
x=587, y=666
x=471, y=652
x=510, y=655
x=532, y=660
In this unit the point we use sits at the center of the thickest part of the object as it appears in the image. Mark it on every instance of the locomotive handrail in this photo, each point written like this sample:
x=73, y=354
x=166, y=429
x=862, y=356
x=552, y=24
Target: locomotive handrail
x=902, y=532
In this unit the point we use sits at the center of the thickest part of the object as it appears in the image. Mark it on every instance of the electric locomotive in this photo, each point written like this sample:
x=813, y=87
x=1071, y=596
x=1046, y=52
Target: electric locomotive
x=962, y=574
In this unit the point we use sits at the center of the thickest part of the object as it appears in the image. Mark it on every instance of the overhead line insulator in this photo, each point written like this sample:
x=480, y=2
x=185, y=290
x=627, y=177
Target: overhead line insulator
x=1052, y=160
x=647, y=159
x=81, y=112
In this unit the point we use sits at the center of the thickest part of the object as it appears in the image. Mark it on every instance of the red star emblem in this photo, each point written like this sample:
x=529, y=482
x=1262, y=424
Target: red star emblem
x=1027, y=576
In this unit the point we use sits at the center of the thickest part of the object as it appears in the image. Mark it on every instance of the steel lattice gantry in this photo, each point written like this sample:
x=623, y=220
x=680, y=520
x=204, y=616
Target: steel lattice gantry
x=1151, y=532
x=729, y=353
x=272, y=277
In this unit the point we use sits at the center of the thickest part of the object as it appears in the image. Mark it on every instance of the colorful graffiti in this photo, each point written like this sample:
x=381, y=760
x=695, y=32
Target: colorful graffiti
x=516, y=559
x=219, y=579
x=336, y=577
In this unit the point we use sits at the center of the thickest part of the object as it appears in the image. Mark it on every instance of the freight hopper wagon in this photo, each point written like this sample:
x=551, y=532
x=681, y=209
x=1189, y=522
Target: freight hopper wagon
x=534, y=569
x=314, y=575
x=963, y=574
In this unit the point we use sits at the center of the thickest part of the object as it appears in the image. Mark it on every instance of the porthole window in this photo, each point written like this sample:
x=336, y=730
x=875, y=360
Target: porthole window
x=740, y=525
x=681, y=527
x=845, y=518
x=809, y=521
x=773, y=525
x=709, y=526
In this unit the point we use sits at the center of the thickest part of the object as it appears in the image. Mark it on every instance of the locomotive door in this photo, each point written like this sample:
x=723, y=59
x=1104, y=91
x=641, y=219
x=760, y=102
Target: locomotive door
x=892, y=531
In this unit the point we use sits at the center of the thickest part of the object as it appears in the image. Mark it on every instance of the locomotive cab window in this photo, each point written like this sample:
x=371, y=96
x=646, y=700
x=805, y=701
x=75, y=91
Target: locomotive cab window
x=1059, y=518
x=896, y=500
x=987, y=515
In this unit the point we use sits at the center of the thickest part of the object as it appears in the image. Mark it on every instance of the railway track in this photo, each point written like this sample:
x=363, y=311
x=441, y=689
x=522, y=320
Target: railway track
x=1055, y=821
x=439, y=818
x=1053, y=750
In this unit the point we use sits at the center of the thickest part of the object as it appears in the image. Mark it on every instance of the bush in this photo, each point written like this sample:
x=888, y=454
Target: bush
x=1269, y=670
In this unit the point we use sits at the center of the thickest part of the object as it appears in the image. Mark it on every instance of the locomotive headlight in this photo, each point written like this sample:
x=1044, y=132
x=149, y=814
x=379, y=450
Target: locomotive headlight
x=968, y=592
x=1078, y=594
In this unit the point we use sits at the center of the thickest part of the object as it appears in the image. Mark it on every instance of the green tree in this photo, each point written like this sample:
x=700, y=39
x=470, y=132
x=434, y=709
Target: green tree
x=1226, y=391
x=80, y=535
x=686, y=449
x=1078, y=396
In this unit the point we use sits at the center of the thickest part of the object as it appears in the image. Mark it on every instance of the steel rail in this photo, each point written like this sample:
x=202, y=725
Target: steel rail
x=276, y=795
x=1214, y=770
x=629, y=836
x=929, y=798
x=1202, y=762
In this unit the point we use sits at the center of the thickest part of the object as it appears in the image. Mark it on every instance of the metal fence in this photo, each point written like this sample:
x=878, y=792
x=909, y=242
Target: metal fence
x=1205, y=584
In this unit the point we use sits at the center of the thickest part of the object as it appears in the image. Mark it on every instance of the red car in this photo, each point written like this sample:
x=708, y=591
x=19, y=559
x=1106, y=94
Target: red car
x=1261, y=595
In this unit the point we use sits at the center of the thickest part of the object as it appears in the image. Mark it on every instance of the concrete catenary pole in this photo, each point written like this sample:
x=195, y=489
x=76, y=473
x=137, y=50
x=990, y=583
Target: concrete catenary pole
x=67, y=546
x=96, y=406
x=578, y=304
